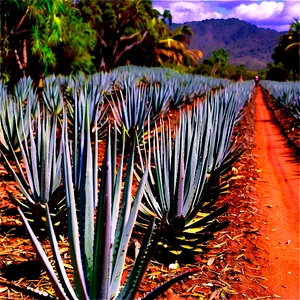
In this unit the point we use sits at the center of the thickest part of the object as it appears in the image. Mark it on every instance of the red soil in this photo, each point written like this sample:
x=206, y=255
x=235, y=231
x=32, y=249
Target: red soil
x=278, y=191
x=256, y=257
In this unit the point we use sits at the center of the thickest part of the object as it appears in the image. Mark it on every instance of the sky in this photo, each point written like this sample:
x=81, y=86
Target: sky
x=277, y=15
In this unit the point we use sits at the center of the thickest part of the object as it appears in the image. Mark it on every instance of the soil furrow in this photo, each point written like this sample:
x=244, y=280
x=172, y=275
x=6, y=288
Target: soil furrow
x=279, y=204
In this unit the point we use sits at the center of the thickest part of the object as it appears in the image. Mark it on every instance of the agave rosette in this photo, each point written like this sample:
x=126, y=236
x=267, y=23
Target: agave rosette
x=186, y=178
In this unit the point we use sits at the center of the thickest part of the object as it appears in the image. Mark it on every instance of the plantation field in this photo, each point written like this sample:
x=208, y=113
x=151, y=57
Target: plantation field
x=135, y=166
x=256, y=256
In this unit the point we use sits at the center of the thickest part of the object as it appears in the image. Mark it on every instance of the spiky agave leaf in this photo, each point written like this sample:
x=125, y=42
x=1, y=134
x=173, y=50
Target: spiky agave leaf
x=43, y=259
x=146, y=251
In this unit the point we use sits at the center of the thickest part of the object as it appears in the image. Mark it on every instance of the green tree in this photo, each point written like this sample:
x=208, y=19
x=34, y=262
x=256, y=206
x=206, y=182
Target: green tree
x=214, y=65
x=162, y=47
x=241, y=70
x=228, y=71
x=203, y=69
x=262, y=74
x=166, y=16
x=288, y=50
x=10, y=42
x=172, y=47
x=120, y=25
x=62, y=36
x=220, y=58
x=277, y=72
x=60, y=33
x=42, y=37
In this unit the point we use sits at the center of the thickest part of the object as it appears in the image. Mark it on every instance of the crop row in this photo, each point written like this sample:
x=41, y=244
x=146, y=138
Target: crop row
x=157, y=175
x=287, y=94
x=283, y=98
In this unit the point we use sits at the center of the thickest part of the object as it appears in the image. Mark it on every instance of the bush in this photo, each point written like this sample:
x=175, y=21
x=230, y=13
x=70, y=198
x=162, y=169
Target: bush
x=277, y=74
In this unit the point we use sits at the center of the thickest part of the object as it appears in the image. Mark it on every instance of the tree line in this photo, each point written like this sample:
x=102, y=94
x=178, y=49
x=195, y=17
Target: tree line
x=285, y=66
x=39, y=38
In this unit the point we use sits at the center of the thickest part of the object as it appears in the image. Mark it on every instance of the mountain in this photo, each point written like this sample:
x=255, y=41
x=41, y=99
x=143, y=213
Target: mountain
x=246, y=43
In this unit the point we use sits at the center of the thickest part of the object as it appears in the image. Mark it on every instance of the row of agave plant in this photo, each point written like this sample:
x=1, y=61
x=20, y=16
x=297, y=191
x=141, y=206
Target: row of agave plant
x=159, y=179
x=286, y=94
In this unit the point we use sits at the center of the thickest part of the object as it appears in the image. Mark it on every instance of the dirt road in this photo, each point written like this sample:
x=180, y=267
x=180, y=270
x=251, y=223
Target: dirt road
x=279, y=204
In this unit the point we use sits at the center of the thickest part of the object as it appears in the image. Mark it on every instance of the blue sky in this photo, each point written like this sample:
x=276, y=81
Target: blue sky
x=277, y=15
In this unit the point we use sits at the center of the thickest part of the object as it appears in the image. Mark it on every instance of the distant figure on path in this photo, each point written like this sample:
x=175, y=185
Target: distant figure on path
x=256, y=80
x=241, y=79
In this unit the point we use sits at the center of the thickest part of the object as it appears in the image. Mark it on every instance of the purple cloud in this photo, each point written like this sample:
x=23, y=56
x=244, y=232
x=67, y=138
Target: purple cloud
x=272, y=14
x=184, y=11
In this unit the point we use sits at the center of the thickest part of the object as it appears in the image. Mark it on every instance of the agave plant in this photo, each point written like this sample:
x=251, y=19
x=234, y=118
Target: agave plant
x=181, y=92
x=160, y=95
x=224, y=110
x=15, y=110
x=101, y=208
x=100, y=220
x=52, y=95
x=25, y=92
x=186, y=180
x=98, y=235
x=41, y=155
x=89, y=92
x=131, y=108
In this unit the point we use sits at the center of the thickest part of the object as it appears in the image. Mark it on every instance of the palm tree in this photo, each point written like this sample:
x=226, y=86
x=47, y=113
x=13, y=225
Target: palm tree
x=294, y=35
x=220, y=58
x=183, y=34
x=166, y=16
x=172, y=46
x=293, y=48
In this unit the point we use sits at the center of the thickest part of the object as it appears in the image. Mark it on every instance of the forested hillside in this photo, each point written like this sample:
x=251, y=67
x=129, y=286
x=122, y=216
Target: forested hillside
x=246, y=43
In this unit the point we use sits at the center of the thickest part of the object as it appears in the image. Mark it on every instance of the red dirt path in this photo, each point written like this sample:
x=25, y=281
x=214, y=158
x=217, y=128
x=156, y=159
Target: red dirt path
x=278, y=192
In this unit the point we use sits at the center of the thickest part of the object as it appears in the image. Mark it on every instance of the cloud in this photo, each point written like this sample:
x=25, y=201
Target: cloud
x=272, y=14
x=185, y=11
x=291, y=10
x=268, y=14
x=262, y=11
